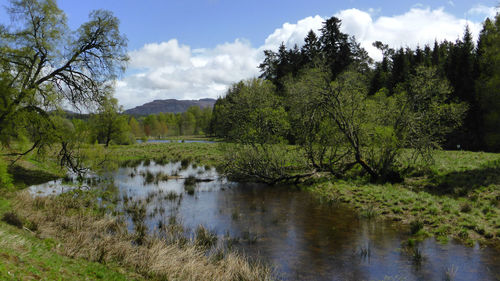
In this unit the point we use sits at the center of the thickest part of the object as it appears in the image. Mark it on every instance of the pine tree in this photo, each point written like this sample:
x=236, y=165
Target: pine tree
x=335, y=46
x=488, y=83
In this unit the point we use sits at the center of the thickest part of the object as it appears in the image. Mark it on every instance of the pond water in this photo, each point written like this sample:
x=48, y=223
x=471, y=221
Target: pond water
x=303, y=239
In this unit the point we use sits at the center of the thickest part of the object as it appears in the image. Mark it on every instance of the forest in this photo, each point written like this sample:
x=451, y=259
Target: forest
x=469, y=69
x=345, y=111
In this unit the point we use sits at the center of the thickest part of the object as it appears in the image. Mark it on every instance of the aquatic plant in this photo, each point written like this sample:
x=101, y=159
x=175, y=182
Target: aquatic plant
x=416, y=226
x=185, y=163
x=189, y=189
x=450, y=273
x=205, y=238
x=172, y=195
x=235, y=214
x=368, y=212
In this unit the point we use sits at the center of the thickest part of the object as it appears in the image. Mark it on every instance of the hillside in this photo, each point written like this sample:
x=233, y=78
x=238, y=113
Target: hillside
x=170, y=105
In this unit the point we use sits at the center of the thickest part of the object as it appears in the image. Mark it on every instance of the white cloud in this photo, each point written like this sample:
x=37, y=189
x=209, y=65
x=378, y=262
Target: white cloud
x=293, y=33
x=158, y=55
x=485, y=11
x=172, y=70
x=168, y=70
x=418, y=26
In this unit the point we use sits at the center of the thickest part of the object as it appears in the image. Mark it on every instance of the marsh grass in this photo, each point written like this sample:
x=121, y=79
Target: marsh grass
x=416, y=226
x=249, y=237
x=172, y=195
x=190, y=184
x=148, y=177
x=185, y=163
x=205, y=238
x=365, y=251
x=368, y=212
x=100, y=237
x=450, y=273
x=161, y=177
x=235, y=214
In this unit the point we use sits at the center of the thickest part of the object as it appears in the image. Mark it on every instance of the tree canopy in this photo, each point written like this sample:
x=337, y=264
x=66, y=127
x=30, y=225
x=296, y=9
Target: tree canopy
x=45, y=66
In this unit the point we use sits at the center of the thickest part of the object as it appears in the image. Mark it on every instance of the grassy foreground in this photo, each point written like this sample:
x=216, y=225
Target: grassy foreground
x=28, y=257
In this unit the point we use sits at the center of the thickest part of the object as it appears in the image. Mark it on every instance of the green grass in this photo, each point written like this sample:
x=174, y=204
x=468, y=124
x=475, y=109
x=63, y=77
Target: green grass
x=26, y=257
x=441, y=215
x=200, y=153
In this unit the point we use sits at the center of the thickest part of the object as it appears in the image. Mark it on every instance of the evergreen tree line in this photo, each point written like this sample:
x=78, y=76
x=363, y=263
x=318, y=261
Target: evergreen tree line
x=471, y=69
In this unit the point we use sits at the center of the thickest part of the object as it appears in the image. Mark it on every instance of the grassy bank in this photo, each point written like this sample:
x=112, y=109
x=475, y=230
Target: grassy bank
x=458, y=197
x=85, y=230
x=79, y=236
x=201, y=153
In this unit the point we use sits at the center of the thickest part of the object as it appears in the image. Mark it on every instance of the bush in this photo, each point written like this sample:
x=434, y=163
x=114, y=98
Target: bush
x=264, y=163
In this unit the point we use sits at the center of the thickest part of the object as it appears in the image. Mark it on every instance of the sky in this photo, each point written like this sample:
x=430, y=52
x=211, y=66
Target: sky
x=194, y=49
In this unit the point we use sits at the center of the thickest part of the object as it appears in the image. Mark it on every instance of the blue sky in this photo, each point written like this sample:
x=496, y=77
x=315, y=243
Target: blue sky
x=206, y=23
x=196, y=48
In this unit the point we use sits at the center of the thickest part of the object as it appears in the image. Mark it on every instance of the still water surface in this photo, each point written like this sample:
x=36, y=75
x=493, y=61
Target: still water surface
x=303, y=239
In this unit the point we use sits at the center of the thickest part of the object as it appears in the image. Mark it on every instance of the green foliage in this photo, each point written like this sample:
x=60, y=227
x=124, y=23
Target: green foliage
x=109, y=125
x=5, y=177
x=44, y=64
x=195, y=121
x=337, y=123
x=251, y=113
x=489, y=82
x=269, y=163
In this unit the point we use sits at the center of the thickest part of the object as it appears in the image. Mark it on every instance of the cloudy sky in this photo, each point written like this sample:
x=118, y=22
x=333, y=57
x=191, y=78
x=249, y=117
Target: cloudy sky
x=194, y=49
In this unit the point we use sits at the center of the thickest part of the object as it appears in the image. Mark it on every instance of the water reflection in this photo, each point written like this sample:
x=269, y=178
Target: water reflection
x=305, y=240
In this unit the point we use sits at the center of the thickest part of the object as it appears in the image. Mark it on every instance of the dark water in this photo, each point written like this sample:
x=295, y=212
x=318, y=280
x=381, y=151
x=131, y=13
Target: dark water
x=176, y=141
x=303, y=239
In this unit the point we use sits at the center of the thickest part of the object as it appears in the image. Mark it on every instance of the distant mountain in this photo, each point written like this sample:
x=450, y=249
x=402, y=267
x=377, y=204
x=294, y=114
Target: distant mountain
x=170, y=105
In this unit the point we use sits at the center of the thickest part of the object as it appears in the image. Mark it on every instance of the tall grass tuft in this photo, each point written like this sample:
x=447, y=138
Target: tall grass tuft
x=368, y=212
x=205, y=238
